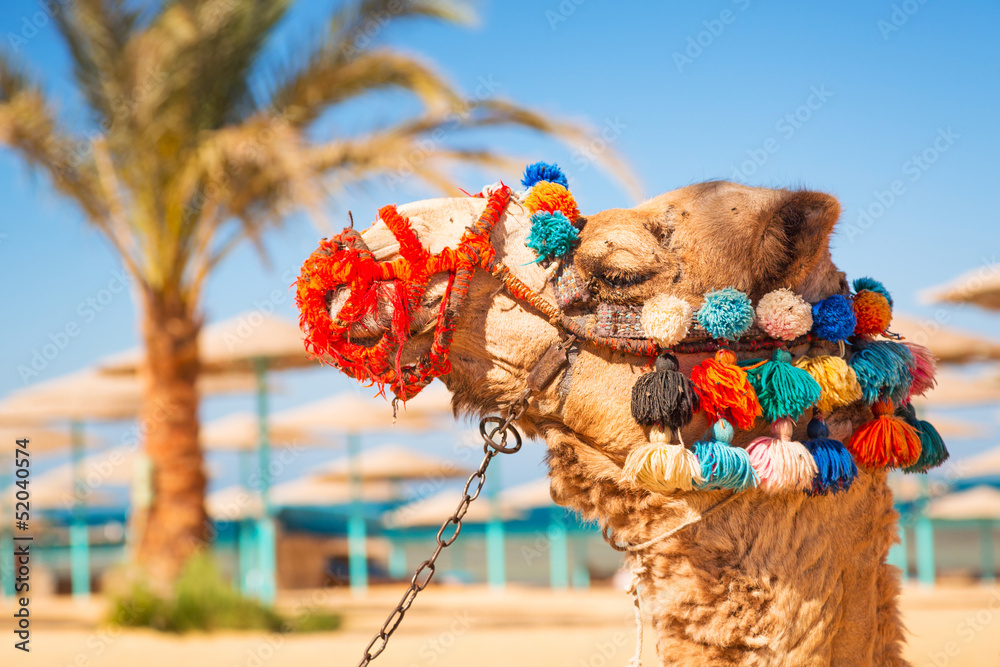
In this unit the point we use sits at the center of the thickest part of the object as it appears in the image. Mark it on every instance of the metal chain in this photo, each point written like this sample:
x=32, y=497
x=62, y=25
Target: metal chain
x=489, y=428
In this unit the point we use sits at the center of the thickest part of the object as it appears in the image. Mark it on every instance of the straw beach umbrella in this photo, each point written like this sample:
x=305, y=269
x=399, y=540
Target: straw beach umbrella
x=77, y=398
x=979, y=286
x=948, y=344
x=352, y=414
x=956, y=389
x=252, y=342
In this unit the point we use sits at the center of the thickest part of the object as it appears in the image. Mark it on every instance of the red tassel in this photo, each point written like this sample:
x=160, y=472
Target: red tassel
x=724, y=390
x=886, y=441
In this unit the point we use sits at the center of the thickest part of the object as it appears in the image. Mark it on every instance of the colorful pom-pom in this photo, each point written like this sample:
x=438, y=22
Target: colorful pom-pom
x=541, y=171
x=923, y=370
x=933, y=451
x=871, y=285
x=664, y=398
x=781, y=463
x=833, y=318
x=722, y=465
x=666, y=319
x=837, y=381
x=726, y=313
x=784, y=315
x=883, y=369
x=724, y=390
x=886, y=441
x=873, y=313
x=783, y=389
x=835, y=468
x=552, y=197
x=552, y=235
x=661, y=465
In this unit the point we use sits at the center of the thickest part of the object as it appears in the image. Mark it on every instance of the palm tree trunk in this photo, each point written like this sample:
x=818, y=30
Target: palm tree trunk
x=176, y=525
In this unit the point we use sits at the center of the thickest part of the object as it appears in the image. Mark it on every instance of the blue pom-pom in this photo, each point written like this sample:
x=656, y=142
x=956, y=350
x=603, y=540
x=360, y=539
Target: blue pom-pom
x=836, y=469
x=722, y=465
x=833, y=318
x=883, y=369
x=872, y=285
x=552, y=234
x=727, y=313
x=541, y=171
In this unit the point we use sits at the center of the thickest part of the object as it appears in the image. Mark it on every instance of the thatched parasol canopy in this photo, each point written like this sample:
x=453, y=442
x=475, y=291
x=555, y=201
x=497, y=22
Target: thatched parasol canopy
x=979, y=286
x=980, y=502
x=391, y=462
x=948, y=344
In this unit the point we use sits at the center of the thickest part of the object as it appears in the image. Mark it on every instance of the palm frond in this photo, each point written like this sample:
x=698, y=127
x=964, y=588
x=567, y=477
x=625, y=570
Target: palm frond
x=329, y=81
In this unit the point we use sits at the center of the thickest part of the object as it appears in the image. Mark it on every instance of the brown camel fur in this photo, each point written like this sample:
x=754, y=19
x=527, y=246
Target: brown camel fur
x=770, y=579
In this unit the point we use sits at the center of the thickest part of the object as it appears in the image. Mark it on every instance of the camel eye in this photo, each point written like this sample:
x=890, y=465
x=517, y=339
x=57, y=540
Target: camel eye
x=620, y=279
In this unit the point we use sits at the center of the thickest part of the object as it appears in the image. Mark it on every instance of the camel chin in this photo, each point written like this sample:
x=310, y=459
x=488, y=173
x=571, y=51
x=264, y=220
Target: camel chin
x=773, y=579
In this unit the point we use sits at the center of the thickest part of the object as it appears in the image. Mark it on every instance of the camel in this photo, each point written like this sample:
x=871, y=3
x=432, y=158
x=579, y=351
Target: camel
x=767, y=579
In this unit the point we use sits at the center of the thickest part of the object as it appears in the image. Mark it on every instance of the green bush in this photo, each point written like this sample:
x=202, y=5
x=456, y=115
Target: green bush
x=203, y=601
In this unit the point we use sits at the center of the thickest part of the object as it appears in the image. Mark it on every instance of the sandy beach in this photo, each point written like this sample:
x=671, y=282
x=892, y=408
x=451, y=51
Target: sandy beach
x=460, y=627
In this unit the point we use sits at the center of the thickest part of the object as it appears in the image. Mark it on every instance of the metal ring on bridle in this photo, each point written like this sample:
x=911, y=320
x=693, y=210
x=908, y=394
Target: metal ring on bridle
x=503, y=428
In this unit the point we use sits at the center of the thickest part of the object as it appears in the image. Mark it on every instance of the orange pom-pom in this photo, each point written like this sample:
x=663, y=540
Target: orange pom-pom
x=725, y=391
x=886, y=441
x=873, y=313
x=552, y=197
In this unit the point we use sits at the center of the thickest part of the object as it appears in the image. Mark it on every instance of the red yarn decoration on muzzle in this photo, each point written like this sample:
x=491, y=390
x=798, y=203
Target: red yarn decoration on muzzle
x=345, y=261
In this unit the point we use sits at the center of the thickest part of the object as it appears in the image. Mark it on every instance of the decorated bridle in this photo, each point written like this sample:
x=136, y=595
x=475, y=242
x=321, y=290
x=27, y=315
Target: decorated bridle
x=873, y=367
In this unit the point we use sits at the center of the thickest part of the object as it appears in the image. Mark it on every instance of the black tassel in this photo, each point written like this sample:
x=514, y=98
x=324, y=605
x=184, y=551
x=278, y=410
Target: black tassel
x=665, y=397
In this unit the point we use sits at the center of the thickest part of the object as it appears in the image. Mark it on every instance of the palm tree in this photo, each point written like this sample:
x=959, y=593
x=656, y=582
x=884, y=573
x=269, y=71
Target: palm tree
x=201, y=143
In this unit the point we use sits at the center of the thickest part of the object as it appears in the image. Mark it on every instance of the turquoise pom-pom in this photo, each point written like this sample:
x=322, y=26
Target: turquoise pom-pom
x=541, y=171
x=883, y=368
x=726, y=313
x=784, y=390
x=552, y=235
x=722, y=465
x=836, y=469
x=933, y=451
x=833, y=318
x=872, y=285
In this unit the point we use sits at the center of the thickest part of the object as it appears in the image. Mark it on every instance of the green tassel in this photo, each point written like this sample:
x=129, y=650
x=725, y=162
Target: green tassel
x=933, y=451
x=783, y=389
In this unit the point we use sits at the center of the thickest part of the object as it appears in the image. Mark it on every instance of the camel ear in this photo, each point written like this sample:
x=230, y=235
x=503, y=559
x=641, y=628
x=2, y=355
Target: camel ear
x=800, y=222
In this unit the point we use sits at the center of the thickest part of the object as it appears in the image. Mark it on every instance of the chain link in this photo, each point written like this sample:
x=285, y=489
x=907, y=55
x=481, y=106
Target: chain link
x=502, y=426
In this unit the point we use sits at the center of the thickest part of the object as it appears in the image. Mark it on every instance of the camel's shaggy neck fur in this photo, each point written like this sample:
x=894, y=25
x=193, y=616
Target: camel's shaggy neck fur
x=771, y=579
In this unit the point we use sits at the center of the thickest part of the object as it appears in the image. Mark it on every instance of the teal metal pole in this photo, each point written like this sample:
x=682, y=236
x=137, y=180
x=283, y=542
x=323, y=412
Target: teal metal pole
x=988, y=564
x=265, y=530
x=357, y=551
x=6, y=537
x=496, y=556
x=923, y=537
x=558, y=549
x=79, y=547
x=897, y=552
x=397, y=557
x=246, y=536
x=581, y=575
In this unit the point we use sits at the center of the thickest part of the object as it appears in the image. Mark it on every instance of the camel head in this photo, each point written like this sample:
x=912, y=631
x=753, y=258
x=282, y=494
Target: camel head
x=680, y=246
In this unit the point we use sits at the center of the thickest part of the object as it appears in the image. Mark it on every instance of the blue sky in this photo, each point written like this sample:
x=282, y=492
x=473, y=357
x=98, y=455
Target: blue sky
x=856, y=98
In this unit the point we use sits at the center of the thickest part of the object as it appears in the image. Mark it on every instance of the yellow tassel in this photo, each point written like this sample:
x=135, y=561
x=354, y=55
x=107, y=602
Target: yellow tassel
x=836, y=378
x=662, y=466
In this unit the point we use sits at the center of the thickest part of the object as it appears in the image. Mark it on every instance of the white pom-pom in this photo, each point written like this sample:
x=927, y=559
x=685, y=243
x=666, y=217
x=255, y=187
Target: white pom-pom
x=784, y=315
x=491, y=188
x=666, y=319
